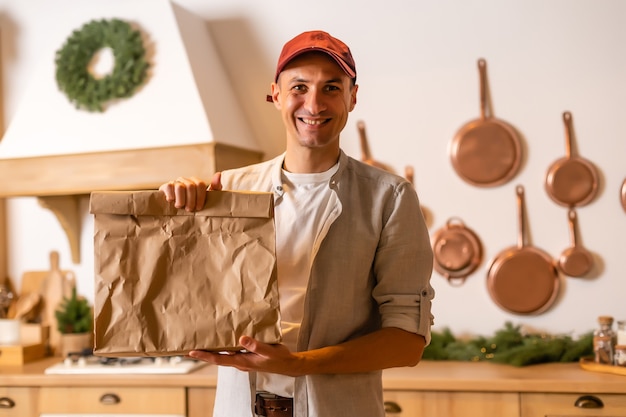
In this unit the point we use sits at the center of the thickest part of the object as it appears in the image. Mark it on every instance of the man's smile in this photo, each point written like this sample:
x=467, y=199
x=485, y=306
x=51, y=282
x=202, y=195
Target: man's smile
x=313, y=122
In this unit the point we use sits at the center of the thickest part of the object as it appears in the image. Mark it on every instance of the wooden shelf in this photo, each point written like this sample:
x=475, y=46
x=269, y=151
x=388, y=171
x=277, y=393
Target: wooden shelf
x=134, y=169
x=59, y=180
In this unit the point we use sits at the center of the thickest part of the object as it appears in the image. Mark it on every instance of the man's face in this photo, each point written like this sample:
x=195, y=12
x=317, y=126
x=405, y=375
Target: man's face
x=314, y=96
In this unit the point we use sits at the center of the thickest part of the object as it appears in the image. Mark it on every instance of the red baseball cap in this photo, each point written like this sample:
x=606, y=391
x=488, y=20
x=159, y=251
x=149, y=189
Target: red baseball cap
x=317, y=41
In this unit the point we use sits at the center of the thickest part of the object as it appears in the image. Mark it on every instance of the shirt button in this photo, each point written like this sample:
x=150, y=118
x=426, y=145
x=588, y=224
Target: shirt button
x=279, y=188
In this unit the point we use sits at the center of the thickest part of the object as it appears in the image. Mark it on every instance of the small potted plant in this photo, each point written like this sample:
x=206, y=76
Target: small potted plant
x=75, y=323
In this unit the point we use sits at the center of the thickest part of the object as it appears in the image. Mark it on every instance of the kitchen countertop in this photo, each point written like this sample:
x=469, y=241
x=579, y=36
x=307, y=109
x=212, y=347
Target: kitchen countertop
x=32, y=374
x=427, y=376
x=484, y=376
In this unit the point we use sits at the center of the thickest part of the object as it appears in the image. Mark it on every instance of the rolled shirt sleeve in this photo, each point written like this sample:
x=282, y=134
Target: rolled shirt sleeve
x=403, y=266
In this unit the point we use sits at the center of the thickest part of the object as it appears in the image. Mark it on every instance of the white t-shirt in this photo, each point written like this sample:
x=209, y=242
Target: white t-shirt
x=300, y=216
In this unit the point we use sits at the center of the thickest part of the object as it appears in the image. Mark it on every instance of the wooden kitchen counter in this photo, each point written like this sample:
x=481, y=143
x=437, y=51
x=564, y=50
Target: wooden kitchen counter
x=493, y=377
x=32, y=374
x=427, y=376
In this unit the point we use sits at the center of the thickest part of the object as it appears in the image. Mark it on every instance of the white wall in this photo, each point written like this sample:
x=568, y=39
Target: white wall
x=418, y=79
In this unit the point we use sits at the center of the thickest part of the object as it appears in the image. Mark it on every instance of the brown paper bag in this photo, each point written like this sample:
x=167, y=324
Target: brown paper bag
x=169, y=281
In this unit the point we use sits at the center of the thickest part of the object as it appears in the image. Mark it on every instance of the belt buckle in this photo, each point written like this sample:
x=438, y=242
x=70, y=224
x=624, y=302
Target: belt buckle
x=267, y=404
x=259, y=404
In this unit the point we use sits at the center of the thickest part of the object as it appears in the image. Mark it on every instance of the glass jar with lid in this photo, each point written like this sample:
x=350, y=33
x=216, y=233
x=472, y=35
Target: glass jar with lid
x=604, y=339
x=620, y=355
x=621, y=332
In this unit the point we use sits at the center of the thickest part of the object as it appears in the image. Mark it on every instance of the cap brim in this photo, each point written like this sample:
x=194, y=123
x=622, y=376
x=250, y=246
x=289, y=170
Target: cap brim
x=336, y=57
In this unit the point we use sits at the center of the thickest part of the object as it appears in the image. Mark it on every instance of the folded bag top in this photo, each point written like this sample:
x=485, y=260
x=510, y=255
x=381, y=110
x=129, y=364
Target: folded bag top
x=168, y=281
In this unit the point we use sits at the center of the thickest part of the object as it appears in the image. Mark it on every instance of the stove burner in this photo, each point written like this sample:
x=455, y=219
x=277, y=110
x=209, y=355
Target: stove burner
x=75, y=356
x=121, y=361
x=86, y=356
x=87, y=363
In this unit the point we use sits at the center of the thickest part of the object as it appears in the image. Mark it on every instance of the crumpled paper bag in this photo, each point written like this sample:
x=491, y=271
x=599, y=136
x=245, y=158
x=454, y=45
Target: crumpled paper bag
x=169, y=281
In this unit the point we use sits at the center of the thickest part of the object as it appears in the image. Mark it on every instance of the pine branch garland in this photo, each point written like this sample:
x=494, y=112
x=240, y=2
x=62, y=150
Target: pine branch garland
x=509, y=346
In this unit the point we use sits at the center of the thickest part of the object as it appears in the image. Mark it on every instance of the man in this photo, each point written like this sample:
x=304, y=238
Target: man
x=353, y=255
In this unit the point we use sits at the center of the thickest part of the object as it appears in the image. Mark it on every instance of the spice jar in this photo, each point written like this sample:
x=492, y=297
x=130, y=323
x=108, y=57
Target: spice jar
x=620, y=355
x=604, y=341
x=621, y=332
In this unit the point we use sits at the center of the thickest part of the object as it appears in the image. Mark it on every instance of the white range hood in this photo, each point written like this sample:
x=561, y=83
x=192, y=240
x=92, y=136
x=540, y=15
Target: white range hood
x=184, y=120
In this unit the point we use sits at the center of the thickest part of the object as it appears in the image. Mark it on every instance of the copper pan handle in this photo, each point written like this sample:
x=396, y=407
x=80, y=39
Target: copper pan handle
x=482, y=72
x=573, y=224
x=365, y=149
x=409, y=174
x=520, y=215
x=567, y=120
x=455, y=281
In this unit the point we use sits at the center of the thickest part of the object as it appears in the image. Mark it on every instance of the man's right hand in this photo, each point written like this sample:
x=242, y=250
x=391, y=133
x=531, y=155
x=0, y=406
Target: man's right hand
x=190, y=193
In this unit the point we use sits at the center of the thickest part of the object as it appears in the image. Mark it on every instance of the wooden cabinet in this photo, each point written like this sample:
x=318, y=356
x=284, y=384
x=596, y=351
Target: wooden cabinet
x=3, y=242
x=200, y=402
x=451, y=404
x=407, y=403
x=18, y=402
x=570, y=405
x=112, y=400
x=431, y=389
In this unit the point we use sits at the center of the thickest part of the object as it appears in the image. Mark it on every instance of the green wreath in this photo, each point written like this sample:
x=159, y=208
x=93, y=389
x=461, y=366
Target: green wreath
x=72, y=60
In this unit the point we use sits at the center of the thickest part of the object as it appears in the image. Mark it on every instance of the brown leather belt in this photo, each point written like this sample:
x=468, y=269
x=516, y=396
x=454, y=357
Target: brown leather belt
x=271, y=405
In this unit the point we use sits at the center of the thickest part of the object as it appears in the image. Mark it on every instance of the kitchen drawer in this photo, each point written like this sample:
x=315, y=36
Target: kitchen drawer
x=450, y=404
x=18, y=402
x=112, y=400
x=570, y=405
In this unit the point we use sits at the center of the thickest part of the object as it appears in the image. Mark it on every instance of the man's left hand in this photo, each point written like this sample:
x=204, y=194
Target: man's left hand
x=260, y=357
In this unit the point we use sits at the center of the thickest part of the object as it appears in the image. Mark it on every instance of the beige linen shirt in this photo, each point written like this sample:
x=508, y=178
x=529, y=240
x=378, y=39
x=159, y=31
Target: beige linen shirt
x=371, y=269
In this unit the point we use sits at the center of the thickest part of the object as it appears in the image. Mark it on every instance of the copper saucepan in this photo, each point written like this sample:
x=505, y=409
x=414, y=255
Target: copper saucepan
x=571, y=180
x=457, y=251
x=366, y=155
x=487, y=151
x=523, y=279
x=575, y=261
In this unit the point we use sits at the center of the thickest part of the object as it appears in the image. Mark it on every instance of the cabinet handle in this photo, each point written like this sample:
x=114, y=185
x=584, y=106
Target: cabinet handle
x=392, y=407
x=6, y=402
x=110, y=399
x=589, y=401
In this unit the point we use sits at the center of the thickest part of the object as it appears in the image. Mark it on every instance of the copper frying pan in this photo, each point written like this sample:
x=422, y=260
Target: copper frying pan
x=571, y=180
x=523, y=279
x=487, y=151
x=366, y=155
x=575, y=261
